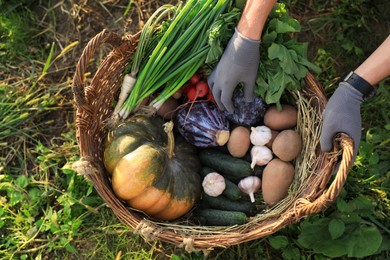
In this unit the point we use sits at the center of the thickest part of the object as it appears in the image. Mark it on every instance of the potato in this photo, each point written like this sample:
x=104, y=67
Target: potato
x=287, y=145
x=239, y=141
x=277, y=178
x=168, y=108
x=274, y=134
x=281, y=120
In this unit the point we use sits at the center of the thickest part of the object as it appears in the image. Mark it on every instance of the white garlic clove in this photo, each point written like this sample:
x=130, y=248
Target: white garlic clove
x=250, y=185
x=213, y=184
x=260, y=135
x=260, y=155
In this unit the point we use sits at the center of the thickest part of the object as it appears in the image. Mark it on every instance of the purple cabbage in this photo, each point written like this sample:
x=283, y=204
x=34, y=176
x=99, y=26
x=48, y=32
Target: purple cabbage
x=203, y=125
x=246, y=113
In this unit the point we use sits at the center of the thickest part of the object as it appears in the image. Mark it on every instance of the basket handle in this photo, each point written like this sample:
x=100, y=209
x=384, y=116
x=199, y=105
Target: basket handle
x=88, y=52
x=345, y=143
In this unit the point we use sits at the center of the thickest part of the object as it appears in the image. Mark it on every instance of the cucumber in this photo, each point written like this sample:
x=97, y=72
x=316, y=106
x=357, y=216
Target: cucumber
x=230, y=167
x=231, y=191
x=216, y=217
x=205, y=170
x=223, y=203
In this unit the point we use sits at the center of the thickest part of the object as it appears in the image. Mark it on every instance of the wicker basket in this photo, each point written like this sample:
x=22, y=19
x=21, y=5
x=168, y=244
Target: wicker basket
x=314, y=188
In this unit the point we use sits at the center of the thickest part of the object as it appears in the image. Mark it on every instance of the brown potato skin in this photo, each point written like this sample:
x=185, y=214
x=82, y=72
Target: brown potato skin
x=168, y=108
x=277, y=178
x=287, y=145
x=287, y=118
x=239, y=141
x=274, y=134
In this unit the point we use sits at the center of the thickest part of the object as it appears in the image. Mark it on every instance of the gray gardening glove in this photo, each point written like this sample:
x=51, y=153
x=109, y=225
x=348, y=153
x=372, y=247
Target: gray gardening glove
x=239, y=63
x=342, y=114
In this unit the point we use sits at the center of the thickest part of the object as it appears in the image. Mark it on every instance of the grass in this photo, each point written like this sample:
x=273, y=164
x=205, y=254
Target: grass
x=48, y=211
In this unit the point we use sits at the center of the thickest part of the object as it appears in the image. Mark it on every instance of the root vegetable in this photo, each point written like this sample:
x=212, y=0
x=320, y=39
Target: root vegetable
x=274, y=133
x=199, y=90
x=277, y=178
x=177, y=94
x=168, y=108
x=194, y=79
x=202, y=88
x=239, y=141
x=127, y=86
x=281, y=120
x=287, y=145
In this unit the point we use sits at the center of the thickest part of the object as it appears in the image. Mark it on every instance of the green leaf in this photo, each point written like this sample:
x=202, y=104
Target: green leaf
x=35, y=194
x=336, y=228
x=309, y=65
x=175, y=257
x=364, y=241
x=315, y=236
x=22, y=181
x=299, y=48
x=277, y=85
x=286, y=58
x=291, y=253
x=261, y=88
x=68, y=247
x=301, y=71
x=287, y=25
x=278, y=242
x=362, y=205
x=276, y=51
x=342, y=205
x=268, y=38
x=373, y=159
x=15, y=197
x=214, y=54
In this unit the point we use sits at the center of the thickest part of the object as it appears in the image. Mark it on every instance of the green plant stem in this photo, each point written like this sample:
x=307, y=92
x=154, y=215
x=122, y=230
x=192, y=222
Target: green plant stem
x=185, y=44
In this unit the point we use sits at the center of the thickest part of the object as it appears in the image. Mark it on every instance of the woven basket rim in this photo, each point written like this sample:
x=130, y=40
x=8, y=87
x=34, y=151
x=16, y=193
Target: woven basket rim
x=93, y=107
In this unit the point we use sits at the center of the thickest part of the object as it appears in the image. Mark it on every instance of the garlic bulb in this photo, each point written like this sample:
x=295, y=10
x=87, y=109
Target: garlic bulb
x=261, y=155
x=250, y=185
x=260, y=135
x=214, y=184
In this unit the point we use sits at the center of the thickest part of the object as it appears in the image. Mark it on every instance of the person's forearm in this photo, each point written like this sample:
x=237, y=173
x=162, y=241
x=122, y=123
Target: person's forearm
x=376, y=67
x=253, y=18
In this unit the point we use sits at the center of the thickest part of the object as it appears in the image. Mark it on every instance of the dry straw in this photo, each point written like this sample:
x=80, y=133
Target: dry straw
x=315, y=186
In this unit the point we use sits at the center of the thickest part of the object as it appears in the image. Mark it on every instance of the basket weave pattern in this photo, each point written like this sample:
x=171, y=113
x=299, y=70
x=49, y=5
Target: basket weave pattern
x=314, y=193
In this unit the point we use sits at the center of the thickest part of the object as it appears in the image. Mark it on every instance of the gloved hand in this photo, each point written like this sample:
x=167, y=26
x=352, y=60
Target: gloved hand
x=239, y=63
x=342, y=114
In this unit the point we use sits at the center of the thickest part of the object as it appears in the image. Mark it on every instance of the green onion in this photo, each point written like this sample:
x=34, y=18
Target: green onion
x=146, y=38
x=178, y=55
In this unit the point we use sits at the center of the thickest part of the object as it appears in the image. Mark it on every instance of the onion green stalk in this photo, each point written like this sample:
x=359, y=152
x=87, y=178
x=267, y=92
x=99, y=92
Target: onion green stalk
x=146, y=38
x=178, y=55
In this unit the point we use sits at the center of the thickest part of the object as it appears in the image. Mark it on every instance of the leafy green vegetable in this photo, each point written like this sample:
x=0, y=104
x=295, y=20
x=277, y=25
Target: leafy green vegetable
x=219, y=34
x=283, y=62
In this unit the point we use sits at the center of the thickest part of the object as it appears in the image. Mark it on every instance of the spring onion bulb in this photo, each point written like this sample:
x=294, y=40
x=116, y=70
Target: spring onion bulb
x=127, y=85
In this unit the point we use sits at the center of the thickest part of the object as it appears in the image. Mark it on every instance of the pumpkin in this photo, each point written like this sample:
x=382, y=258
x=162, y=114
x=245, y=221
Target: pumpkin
x=150, y=170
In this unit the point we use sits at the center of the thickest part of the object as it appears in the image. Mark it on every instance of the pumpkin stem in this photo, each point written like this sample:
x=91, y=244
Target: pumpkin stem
x=168, y=128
